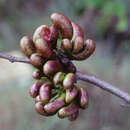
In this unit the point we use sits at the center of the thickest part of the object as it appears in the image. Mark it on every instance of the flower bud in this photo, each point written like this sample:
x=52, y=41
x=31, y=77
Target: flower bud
x=34, y=90
x=89, y=48
x=37, y=74
x=66, y=45
x=69, y=80
x=51, y=67
x=83, y=98
x=78, y=44
x=68, y=110
x=40, y=109
x=37, y=99
x=42, y=32
x=45, y=92
x=71, y=94
x=45, y=48
x=27, y=46
x=63, y=23
x=54, y=36
x=58, y=78
x=54, y=106
x=36, y=60
x=77, y=31
x=74, y=116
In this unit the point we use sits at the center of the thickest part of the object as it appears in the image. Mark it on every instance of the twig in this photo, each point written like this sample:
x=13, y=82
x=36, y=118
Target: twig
x=125, y=105
x=104, y=85
x=84, y=77
x=14, y=59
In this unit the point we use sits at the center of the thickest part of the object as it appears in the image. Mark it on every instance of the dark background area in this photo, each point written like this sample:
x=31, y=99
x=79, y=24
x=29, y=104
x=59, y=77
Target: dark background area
x=104, y=21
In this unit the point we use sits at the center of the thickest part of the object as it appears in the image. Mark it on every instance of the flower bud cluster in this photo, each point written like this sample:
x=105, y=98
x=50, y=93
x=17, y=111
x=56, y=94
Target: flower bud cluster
x=50, y=51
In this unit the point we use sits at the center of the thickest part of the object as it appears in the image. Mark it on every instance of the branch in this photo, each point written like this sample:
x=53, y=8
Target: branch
x=104, y=85
x=84, y=77
x=125, y=105
x=14, y=59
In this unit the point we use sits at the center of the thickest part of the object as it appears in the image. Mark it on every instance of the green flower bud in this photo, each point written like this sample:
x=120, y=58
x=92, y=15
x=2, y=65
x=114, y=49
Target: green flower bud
x=54, y=106
x=71, y=94
x=68, y=110
x=69, y=80
x=58, y=78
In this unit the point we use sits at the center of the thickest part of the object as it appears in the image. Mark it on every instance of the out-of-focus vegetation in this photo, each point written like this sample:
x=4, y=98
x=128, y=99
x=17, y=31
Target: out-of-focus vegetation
x=106, y=22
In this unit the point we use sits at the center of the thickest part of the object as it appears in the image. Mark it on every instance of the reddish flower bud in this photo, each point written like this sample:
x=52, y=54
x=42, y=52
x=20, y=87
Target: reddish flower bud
x=45, y=48
x=58, y=78
x=45, y=92
x=51, y=67
x=37, y=74
x=54, y=35
x=27, y=46
x=78, y=44
x=68, y=110
x=71, y=94
x=42, y=32
x=77, y=31
x=66, y=45
x=54, y=106
x=37, y=99
x=89, y=48
x=37, y=60
x=63, y=23
x=69, y=80
x=34, y=90
x=83, y=98
x=74, y=116
x=40, y=109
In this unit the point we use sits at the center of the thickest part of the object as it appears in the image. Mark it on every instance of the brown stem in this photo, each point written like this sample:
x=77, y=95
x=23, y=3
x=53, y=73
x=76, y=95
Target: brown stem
x=104, y=85
x=14, y=59
x=84, y=77
x=125, y=105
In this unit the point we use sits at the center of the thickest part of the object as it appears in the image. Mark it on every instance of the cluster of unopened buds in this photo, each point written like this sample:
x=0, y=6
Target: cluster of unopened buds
x=50, y=51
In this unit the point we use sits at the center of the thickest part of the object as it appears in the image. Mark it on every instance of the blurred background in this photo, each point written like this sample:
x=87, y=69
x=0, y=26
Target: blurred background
x=104, y=21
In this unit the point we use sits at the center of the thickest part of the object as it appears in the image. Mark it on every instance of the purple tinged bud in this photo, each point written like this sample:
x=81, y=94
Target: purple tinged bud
x=45, y=92
x=51, y=67
x=27, y=46
x=36, y=60
x=83, y=98
x=74, y=116
x=58, y=78
x=71, y=94
x=69, y=81
x=37, y=74
x=68, y=110
x=34, y=90
x=54, y=106
x=37, y=99
x=40, y=109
